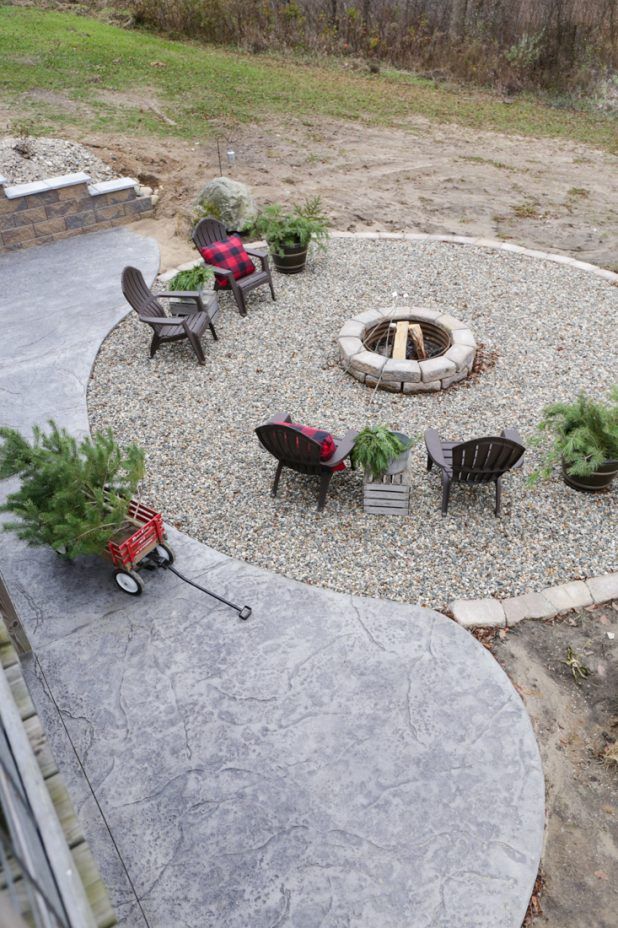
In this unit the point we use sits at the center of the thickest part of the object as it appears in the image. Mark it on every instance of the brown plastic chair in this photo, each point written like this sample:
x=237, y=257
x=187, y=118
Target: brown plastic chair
x=480, y=460
x=168, y=329
x=208, y=231
x=301, y=453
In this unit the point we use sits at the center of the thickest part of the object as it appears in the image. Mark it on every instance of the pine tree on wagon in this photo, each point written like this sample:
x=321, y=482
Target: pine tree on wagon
x=74, y=496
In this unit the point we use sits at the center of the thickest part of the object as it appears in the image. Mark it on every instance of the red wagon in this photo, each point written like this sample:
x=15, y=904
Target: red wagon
x=141, y=543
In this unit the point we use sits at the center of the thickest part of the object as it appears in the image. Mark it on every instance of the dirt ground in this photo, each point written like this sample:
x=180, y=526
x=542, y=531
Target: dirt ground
x=576, y=724
x=548, y=194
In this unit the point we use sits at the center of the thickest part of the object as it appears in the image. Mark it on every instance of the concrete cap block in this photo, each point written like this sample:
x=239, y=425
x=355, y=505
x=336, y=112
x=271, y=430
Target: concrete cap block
x=478, y=612
x=456, y=378
x=436, y=369
x=348, y=347
x=369, y=316
x=369, y=363
x=393, y=385
x=568, y=596
x=23, y=190
x=67, y=180
x=527, y=606
x=461, y=355
x=111, y=186
x=603, y=588
x=423, y=314
x=432, y=387
x=351, y=328
x=463, y=337
x=450, y=322
x=406, y=371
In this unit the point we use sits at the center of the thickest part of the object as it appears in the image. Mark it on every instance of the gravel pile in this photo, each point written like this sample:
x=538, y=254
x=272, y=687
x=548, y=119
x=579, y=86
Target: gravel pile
x=27, y=159
x=554, y=331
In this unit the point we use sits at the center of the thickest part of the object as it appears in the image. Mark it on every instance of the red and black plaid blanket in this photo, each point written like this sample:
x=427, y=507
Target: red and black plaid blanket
x=229, y=254
x=327, y=442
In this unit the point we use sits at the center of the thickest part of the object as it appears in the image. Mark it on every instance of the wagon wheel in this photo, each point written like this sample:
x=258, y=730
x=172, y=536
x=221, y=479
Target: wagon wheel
x=129, y=582
x=165, y=553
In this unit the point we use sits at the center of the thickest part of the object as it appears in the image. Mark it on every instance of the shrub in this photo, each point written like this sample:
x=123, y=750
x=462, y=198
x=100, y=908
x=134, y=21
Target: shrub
x=585, y=434
x=192, y=279
x=73, y=496
x=375, y=448
x=299, y=225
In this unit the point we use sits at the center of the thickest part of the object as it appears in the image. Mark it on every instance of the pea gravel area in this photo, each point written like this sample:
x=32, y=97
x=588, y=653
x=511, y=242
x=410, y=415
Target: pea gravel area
x=28, y=159
x=553, y=332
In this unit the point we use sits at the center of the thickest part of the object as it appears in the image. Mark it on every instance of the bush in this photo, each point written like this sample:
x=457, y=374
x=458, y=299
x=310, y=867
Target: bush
x=298, y=225
x=375, y=448
x=73, y=496
x=585, y=434
x=193, y=279
x=556, y=44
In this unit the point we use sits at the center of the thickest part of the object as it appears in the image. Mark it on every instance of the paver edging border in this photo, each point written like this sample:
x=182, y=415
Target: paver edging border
x=556, y=257
x=550, y=602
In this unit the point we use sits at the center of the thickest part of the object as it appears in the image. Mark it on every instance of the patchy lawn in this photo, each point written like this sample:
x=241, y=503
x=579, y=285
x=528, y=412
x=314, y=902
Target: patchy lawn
x=60, y=68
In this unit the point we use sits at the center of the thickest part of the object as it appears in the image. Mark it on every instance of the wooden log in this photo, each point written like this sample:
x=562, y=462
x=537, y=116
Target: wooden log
x=419, y=342
x=401, y=341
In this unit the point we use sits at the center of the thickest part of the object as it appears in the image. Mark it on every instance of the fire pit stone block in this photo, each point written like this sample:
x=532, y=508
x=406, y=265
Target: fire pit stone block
x=404, y=371
x=348, y=347
x=461, y=355
x=436, y=369
x=460, y=337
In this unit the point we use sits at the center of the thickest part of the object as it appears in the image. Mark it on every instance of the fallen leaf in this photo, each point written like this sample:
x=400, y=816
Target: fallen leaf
x=609, y=810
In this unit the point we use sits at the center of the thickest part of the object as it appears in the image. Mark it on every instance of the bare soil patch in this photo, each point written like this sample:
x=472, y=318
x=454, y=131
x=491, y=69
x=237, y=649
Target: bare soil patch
x=547, y=194
x=576, y=725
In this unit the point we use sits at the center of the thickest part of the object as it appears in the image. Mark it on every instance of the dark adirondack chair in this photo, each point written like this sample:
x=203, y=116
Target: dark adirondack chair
x=480, y=460
x=301, y=453
x=165, y=328
x=208, y=231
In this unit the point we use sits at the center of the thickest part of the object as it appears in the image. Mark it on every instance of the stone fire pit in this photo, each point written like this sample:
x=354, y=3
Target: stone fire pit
x=431, y=352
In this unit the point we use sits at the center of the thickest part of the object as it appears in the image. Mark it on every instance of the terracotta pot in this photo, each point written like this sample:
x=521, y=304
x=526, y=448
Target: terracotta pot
x=292, y=261
x=598, y=482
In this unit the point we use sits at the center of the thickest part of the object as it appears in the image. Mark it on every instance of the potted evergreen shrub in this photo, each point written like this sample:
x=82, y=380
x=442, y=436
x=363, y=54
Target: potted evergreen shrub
x=380, y=452
x=383, y=455
x=74, y=496
x=194, y=279
x=585, y=441
x=289, y=232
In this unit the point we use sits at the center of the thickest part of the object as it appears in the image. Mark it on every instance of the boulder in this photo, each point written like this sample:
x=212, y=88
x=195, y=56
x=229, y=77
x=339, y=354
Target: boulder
x=230, y=201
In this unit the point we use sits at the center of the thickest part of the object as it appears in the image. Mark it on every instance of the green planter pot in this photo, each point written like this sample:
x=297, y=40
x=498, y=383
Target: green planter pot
x=292, y=261
x=598, y=482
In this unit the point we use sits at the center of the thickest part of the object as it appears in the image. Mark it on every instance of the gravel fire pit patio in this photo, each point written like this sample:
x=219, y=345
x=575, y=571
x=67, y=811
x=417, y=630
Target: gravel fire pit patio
x=551, y=329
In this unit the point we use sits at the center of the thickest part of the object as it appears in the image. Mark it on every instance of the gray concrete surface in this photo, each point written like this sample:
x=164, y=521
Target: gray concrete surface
x=334, y=761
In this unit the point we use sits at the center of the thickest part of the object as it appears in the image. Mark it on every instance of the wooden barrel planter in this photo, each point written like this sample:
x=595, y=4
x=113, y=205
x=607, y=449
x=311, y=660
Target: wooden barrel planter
x=292, y=261
x=598, y=482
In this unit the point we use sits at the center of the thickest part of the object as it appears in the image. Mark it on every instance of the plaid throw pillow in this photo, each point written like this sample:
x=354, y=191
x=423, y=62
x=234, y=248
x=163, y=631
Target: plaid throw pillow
x=327, y=442
x=231, y=255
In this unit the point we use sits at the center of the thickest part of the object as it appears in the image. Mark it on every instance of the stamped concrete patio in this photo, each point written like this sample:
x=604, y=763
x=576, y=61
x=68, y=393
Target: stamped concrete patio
x=333, y=761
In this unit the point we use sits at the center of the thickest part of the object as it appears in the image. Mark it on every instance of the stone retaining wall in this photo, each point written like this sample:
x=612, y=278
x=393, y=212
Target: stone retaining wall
x=48, y=210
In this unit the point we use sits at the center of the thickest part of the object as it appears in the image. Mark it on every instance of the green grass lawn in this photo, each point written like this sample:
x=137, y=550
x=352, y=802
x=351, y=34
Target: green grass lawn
x=84, y=60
